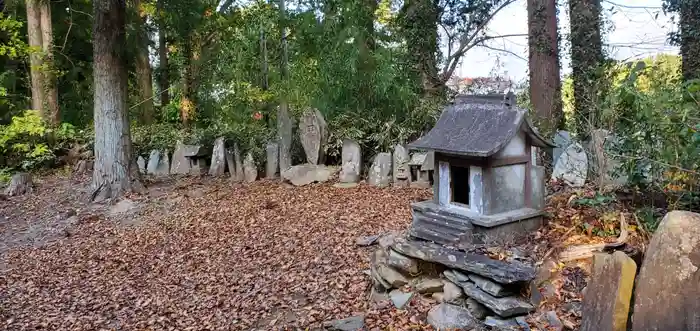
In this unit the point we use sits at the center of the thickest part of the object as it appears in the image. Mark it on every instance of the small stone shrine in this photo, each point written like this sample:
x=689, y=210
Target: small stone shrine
x=487, y=187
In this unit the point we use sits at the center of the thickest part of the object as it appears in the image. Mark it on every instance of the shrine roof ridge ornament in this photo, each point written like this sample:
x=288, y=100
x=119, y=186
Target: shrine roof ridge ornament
x=478, y=126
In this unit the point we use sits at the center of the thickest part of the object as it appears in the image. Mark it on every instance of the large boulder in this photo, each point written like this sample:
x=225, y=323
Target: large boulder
x=351, y=166
x=380, y=172
x=668, y=285
x=607, y=300
x=313, y=132
x=305, y=174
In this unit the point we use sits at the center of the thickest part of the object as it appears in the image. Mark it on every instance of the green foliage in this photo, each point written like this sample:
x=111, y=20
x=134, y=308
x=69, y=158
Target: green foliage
x=26, y=143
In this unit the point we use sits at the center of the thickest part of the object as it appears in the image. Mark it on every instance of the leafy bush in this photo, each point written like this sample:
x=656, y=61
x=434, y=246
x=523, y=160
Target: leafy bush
x=24, y=142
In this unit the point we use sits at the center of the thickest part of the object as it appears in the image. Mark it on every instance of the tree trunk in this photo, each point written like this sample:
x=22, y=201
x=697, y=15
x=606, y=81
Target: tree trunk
x=545, y=82
x=366, y=45
x=188, y=104
x=284, y=121
x=690, y=39
x=143, y=69
x=112, y=173
x=586, y=59
x=50, y=89
x=163, y=78
x=419, y=22
x=35, y=58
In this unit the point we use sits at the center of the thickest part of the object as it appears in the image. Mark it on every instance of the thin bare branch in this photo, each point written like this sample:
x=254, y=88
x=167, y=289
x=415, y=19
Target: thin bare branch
x=504, y=51
x=465, y=42
x=478, y=42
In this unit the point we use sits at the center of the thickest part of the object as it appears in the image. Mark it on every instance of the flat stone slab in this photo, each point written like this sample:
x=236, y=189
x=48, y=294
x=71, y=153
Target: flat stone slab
x=504, y=307
x=366, y=240
x=353, y=323
x=426, y=285
x=512, y=324
x=490, y=287
x=450, y=317
x=399, y=298
x=607, y=300
x=402, y=263
x=668, y=285
x=455, y=276
x=500, y=271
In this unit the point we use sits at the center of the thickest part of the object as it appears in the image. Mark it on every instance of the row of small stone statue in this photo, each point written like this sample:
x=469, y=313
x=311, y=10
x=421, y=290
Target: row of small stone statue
x=192, y=160
x=398, y=167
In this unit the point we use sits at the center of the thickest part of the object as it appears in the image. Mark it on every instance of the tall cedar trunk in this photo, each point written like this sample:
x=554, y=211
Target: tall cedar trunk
x=35, y=58
x=284, y=122
x=420, y=29
x=188, y=103
x=586, y=58
x=143, y=68
x=50, y=88
x=545, y=82
x=264, y=79
x=690, y=39
x=111, y=175
x=163, y=79
x=365, y=45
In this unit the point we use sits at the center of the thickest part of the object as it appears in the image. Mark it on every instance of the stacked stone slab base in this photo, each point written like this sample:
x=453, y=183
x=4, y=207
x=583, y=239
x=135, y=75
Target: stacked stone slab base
x=470, y=289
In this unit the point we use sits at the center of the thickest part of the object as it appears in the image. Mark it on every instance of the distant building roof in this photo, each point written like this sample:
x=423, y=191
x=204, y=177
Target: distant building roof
x=478, y=126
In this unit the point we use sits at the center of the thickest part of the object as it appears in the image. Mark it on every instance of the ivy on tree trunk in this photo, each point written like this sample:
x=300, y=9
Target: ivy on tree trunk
x=545, y=82
x=586, y=59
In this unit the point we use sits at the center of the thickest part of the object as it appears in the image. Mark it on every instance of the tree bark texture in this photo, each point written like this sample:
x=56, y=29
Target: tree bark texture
x=188, y=104
x=143, y=69
x=43, y=81
x=111, y=175
x=53, y=115
x=586, y=58
x=366, y=45
x=34, y=38
x=690, y=38
x=163, y=79
x=284, y=121
x=545, y=82
x=419, y=22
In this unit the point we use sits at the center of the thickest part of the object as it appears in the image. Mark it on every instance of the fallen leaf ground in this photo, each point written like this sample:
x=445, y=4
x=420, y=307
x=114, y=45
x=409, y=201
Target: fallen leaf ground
x=206, y=254
x=202, y=257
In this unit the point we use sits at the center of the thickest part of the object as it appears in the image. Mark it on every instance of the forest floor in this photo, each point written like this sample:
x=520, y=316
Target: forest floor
x=204, y=253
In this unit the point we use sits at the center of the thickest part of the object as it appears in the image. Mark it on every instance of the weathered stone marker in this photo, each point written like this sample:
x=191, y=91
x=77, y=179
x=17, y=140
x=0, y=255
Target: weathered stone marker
x=572, y=166
x=608, y=294
x=180, y=164
x=380, y=172
x=313, y=132
x=250, y=169
x=562, y=139
x=272, y=154
x=218, y=158
x=351, y=166
x=400, y=170
x=668, y=286
x=141, y=163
